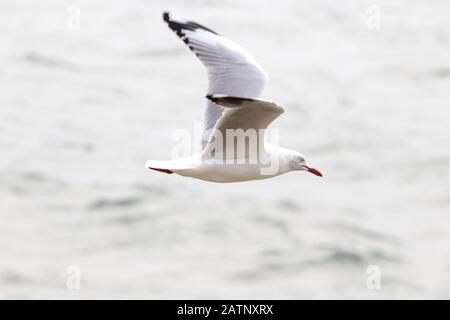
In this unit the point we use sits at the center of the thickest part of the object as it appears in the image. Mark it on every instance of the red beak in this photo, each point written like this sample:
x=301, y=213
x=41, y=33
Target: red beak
x=315, y=171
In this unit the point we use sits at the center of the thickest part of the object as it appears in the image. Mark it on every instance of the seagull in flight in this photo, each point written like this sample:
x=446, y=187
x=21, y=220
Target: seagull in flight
x=233, y=113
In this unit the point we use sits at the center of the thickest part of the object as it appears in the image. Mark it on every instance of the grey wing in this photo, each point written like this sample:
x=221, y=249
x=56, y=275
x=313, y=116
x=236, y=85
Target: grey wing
x=250, y=116
x=232, y=71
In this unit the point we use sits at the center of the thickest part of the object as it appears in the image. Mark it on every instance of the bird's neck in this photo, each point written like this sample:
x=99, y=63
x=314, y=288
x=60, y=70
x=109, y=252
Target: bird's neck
x=279, y=159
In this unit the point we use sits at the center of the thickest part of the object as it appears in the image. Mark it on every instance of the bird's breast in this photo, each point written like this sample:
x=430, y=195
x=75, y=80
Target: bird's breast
x=228, y=172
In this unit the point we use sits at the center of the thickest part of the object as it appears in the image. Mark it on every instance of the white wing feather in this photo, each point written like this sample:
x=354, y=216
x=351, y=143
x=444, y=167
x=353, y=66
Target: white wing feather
x=241, y=114
x=232, y=71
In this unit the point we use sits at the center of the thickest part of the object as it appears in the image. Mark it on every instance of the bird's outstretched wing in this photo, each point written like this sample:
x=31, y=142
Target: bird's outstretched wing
x=232, y=71
x=241, y=116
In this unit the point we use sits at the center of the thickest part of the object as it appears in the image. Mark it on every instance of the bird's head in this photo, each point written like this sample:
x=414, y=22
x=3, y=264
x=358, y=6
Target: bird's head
x=298, y=162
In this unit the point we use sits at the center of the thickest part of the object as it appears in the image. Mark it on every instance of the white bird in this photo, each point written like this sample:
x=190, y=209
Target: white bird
x=235, y=84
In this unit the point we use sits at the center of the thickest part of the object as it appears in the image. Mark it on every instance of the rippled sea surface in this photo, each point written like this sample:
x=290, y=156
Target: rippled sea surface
x=83, y=109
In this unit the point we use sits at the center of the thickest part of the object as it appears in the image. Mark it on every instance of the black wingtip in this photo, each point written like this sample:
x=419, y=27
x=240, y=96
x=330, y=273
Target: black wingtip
x=166, y=16
x=220, y=98
x=180, y=26
x=215, y=97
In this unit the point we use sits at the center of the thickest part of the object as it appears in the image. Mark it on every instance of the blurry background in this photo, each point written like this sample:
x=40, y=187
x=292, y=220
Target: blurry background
x=90, y=90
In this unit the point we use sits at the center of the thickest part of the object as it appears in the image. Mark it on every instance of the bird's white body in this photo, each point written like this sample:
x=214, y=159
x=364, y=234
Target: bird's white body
x=275, y=163
x=235, y=84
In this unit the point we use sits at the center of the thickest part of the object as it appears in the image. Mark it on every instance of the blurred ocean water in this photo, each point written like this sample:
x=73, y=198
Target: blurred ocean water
x=86, y=99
